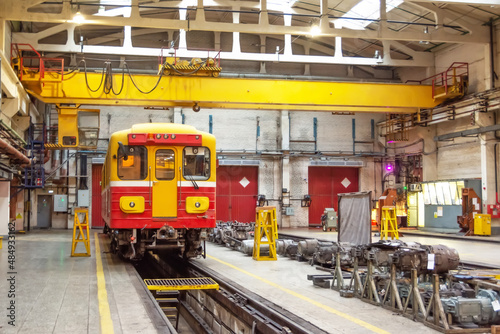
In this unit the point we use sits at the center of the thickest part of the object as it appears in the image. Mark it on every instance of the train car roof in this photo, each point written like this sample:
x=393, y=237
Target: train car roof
x=160, y=128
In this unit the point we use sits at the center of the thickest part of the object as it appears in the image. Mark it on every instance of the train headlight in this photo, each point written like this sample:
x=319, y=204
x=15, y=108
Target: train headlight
x=132, y=204
x=197, y=204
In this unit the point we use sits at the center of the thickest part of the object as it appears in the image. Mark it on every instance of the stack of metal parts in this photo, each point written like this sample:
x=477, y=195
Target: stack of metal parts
x=231, y=234
x=409, y=278
x=405, y=277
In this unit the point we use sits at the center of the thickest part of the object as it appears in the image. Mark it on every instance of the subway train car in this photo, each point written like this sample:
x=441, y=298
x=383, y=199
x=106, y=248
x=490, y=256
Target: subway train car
x=158, y=189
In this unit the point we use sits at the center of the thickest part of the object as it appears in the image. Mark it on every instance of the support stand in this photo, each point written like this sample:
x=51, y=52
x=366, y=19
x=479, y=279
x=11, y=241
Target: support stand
x=389, y=223
x=265, y=226
x=392, y=291
x=83, y=232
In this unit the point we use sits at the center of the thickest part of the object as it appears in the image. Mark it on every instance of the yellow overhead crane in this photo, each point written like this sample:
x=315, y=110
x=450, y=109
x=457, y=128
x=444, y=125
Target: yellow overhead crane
x=229, y=93
x=183, y=84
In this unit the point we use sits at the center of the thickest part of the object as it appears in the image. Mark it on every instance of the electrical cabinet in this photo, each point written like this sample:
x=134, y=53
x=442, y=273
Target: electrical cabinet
x=83, y=198
x=60, y=203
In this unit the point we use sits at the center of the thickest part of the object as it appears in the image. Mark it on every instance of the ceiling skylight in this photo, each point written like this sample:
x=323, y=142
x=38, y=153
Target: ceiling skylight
x=366, y=9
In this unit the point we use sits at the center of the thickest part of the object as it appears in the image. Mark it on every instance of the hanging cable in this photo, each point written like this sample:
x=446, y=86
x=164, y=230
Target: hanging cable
x=135, y=85
x=87, y=81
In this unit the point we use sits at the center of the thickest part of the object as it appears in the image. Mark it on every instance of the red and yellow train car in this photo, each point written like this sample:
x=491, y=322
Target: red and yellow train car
x=158, y=189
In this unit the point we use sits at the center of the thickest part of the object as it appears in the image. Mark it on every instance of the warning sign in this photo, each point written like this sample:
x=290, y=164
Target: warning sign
x=19, y=216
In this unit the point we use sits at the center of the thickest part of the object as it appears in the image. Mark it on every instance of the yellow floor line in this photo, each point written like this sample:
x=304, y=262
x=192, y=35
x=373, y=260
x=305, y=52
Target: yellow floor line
x=307, y=299
x=102, y=294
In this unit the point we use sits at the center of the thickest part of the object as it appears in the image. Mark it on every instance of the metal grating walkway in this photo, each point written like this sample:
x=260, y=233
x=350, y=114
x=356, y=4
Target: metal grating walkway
x=198, y=283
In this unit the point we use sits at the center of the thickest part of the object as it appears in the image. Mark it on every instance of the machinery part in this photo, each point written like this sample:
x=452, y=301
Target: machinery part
x=345, y=254
x=282, y=245
x=306, y=248
x=381, y=252
x=246, y=247
x=466, y=311
x=492, y=296
x=471, y=204
x=445, y=258
x=465, y=290
x=166, y=232
x=324, y=253
x=329, y=219
x=407, y=259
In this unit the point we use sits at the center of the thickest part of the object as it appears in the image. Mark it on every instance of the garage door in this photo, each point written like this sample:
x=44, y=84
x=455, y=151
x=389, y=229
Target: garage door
x=324, y=185
x=237, y=189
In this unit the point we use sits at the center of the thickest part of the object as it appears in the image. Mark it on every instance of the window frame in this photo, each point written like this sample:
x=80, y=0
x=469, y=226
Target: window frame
x=143, y=168
x=209, y=163
x=156, y=165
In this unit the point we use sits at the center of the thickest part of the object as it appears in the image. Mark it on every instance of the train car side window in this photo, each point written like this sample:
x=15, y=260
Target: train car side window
x=135, y=167
x=196, y=163
x=165, y=165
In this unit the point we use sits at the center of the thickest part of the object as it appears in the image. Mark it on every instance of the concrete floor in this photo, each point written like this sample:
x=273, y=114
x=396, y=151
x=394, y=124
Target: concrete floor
x=57, y=293
x=284, y=282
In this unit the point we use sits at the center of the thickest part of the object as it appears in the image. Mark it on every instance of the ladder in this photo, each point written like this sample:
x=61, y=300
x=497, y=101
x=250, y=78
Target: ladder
x=81, y=232
x=265, y=226
x=389, y=223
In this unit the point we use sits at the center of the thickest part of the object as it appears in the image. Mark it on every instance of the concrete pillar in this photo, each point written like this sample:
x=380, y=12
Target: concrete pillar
x=200, y=11
x=324, y=23
x=430, y=171
x=263, y=16
x=488, y=190
x=2, y=36
x=236, y=34
x=285, y=162
x=288, y=37
x=178, y=115
x=182, y=32
x=338, y=42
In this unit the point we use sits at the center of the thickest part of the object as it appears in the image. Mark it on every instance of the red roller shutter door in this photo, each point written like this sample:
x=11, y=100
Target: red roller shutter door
x=237, y=189
x=324, y=185
x=97, y=221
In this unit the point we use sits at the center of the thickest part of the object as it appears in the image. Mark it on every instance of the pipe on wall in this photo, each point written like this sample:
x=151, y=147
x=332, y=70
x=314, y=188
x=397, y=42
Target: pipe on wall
x=5, y=146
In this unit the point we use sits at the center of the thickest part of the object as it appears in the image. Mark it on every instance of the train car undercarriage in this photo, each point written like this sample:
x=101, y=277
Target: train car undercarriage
x=131, y=244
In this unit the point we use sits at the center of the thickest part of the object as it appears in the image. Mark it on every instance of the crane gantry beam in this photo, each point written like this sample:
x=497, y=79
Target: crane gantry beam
x=228, y=93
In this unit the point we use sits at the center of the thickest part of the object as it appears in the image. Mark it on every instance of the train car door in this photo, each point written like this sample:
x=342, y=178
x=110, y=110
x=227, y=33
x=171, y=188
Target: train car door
x=164, y=184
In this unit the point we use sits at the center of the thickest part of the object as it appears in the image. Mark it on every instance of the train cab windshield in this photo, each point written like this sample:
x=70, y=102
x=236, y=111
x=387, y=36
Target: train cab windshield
x=135, y=165
x=196, y=162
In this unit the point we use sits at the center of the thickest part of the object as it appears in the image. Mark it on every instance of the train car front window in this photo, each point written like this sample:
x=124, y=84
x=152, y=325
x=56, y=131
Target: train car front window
x=135, y=167
x=196, y=162
x=165, y=165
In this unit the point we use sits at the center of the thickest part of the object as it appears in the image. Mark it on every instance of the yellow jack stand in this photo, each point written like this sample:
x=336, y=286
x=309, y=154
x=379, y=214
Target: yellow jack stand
x=83, y=232
x=265, y=225
x=389, y=223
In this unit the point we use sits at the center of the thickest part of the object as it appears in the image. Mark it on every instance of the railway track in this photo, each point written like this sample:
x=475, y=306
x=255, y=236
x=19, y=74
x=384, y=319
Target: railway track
x=232, y=307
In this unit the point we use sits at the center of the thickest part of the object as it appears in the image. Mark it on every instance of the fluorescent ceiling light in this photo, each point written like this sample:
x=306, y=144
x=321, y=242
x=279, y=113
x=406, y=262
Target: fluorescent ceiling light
x=366, y=9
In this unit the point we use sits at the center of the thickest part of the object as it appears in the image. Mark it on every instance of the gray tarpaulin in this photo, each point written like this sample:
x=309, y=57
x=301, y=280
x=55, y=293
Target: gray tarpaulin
x=355, y=218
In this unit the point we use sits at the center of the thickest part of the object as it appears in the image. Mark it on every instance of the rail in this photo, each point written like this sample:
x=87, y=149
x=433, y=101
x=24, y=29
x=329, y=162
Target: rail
x=256, y=313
